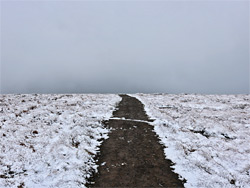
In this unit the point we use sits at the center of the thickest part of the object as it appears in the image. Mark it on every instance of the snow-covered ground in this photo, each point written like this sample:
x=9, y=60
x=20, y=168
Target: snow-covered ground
x=51, y=140
x=206, y=136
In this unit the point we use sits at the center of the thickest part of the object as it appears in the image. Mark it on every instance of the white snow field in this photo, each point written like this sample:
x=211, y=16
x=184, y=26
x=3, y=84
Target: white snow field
x=206, y=136
x=51, y=140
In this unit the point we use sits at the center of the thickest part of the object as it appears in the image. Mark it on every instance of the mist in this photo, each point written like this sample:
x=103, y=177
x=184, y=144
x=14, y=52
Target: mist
x=125, y=47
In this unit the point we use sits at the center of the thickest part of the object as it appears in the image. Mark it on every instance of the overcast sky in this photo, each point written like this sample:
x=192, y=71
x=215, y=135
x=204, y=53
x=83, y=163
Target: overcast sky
x=125, y=46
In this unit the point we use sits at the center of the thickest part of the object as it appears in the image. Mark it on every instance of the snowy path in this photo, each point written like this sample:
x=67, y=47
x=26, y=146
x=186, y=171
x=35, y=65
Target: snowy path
x=132, y=156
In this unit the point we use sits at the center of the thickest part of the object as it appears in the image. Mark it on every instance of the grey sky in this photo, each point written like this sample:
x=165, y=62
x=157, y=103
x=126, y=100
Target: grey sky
x=124, y=46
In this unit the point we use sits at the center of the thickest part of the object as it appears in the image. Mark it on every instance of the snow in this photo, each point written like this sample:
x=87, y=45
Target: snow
x=51, y=140
x=206, y=136
x=125, y=119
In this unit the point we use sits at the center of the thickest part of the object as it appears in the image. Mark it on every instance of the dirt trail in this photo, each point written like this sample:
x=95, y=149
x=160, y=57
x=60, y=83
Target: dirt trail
x=132, y=156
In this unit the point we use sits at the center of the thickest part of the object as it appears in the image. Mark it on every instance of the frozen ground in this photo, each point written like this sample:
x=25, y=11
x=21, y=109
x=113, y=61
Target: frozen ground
x=206, y=136
x=50, y=140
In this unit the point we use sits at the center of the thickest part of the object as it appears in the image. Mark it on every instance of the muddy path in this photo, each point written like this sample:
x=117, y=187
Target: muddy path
x=132, y=156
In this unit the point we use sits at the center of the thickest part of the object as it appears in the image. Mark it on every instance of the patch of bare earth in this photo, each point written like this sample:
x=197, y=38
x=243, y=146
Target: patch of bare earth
x=132, y=156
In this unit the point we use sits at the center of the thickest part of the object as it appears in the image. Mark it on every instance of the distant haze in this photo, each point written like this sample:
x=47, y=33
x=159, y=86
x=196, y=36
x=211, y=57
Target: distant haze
x=125, y=47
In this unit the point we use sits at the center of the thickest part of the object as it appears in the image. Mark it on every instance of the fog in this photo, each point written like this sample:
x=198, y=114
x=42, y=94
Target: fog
x=125, y=47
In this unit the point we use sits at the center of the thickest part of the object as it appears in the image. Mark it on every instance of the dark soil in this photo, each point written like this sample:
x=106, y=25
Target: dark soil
x=132, y=156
